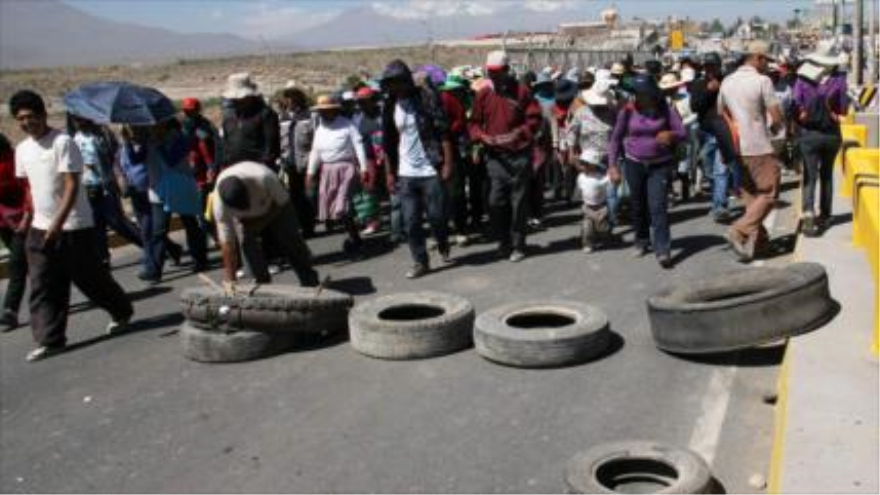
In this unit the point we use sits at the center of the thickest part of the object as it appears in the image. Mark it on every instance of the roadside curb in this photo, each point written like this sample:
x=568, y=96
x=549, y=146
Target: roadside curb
x=825, y=426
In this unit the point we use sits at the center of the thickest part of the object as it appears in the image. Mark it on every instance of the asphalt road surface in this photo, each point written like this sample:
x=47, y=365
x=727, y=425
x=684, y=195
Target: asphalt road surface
x=130, y=414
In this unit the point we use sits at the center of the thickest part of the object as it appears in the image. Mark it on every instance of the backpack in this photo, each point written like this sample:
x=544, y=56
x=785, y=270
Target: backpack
x=819, y=116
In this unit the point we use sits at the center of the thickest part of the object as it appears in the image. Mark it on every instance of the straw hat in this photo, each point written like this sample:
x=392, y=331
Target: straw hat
x=497, y=60
x=240, y=86
x=599, y=94
x=617, y=69
x=327, y=102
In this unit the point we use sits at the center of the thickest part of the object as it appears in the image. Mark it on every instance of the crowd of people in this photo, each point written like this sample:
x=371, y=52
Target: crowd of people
x=475, y=151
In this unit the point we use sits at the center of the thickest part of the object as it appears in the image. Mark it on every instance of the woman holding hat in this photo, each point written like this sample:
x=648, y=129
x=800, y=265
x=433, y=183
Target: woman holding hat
x=643, y=144
x=819, y=103
x=338, y=151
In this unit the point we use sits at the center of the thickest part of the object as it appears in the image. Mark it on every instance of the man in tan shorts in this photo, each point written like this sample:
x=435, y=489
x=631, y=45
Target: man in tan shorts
x=748, y=101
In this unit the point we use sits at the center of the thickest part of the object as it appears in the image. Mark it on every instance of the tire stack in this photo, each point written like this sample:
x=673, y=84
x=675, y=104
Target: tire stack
x=257, y=322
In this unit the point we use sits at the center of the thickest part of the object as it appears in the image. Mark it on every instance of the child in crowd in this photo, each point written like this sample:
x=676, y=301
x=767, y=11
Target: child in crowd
x=593, y=183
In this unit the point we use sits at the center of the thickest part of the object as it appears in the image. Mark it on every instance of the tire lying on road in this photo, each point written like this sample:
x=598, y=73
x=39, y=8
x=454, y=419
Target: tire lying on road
x=271, y=308
x=542, y=334
x=740, y=309
x=638, y=467
x=212, y=346
x=411, y=325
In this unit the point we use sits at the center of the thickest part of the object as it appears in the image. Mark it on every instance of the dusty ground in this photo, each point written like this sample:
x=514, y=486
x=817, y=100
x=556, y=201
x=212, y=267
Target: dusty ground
x=314, y=71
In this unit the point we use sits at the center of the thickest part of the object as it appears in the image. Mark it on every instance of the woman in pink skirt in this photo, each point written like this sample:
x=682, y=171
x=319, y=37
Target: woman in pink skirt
x=338, y=152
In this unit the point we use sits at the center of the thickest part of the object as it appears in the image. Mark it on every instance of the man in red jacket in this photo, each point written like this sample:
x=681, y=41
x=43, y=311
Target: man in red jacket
x=505, y=119
x=15, y=215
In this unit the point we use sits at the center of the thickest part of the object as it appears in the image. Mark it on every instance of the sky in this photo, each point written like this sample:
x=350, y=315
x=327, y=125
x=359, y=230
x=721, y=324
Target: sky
x=270, y=18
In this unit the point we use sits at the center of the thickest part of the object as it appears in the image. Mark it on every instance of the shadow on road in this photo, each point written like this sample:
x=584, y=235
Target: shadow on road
x=132, y=296
x=693, y=244
x=768, y=355
x=355, y=286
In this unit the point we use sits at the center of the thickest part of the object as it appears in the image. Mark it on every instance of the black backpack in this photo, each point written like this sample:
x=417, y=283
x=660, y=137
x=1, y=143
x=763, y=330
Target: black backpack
x=819, y=116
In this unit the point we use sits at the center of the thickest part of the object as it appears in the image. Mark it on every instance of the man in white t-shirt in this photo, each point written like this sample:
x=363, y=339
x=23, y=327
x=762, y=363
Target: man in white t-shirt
x=418, y=148
x=252, y=199
x=62, y=246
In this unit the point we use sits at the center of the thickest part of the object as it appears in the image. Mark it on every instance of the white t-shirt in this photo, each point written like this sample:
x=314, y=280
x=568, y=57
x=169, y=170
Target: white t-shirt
x=265, y=192
x=42, y=163
x=414, y=161
x=594, y=188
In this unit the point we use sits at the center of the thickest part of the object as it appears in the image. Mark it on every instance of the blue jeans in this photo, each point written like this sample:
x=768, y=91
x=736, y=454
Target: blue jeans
x=156, y=247
x=107, y=212
x=648, y=185
x=421, y=196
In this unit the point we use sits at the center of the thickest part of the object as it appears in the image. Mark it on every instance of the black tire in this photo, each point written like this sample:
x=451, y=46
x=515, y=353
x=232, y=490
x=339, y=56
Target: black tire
x=740, y=309
x=271, y=308
x=638, y=467
x=211, y=346
x=542, y=334
x=412, y=325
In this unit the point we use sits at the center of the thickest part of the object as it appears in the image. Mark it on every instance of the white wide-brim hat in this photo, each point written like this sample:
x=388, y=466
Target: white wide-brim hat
x=240, y=86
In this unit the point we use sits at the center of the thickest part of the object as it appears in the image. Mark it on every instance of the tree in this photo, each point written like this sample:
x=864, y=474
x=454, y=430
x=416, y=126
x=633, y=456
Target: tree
x=717, y=26
x=756, y=19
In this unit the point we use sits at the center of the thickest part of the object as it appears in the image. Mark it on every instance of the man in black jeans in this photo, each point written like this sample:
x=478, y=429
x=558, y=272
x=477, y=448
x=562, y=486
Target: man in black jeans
x=506, y=119
x=417, y=142
x=15, y=215
x=62, y=244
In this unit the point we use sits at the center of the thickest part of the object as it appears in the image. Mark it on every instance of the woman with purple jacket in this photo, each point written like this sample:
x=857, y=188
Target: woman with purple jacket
x=643, y=145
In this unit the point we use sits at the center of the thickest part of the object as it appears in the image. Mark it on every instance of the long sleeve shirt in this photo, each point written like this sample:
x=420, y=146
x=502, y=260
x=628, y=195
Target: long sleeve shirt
x=337, y=141
x=635, y=136
x=503, y=111
x=254, y=136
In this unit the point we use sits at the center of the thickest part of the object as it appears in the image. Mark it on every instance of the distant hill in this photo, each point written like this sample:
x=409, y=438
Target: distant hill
x=49, y=33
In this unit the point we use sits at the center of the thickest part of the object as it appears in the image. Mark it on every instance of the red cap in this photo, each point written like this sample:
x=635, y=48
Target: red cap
x=365, y=93
x=189, y=104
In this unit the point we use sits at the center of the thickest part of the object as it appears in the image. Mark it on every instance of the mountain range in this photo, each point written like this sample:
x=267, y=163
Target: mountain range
x=49, y=33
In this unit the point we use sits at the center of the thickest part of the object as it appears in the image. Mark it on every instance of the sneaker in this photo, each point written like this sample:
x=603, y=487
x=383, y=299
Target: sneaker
x=371, y=228
x=721, y=215
x=461, y=240
x=115, y=327
x=809, y=225
x=149, y=279
x=665, y=261
x=175, y=252
x=239, y=274
x=738, y=247
x=587, y=249
x=418, y=270
x=9, y=320
x=536, y=224
x=43, y=352
x=274, y=269
x=516, y=256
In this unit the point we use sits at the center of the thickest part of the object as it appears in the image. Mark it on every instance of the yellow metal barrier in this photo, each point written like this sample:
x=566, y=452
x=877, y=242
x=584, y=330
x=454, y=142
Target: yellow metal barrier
x=854, y=133
x=866, y=227
x=861, y=210
x=858, y=161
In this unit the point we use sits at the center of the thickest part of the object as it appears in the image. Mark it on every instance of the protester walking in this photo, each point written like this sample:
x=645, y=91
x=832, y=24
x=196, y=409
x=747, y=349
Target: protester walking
x=172, y=190
x=419, y=149
x=15, y=217
x=505, y=119
x=250, y=131
x=643, y=145
x=204, y=145
x=301, y=134
x=98, y=148
x=748, y=99
x=718, y=153
x=250, y=198
x=62, y=244
x=339, y=158
x=819, y=105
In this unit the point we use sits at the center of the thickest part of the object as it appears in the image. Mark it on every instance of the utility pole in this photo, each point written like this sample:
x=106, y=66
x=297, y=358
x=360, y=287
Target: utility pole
x=860, y=45
x=872, y=37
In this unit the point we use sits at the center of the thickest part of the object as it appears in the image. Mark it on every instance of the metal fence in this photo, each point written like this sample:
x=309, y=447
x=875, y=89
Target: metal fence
x=539, y=57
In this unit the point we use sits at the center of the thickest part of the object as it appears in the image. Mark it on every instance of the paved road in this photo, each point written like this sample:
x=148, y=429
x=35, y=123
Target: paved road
x=130, y=414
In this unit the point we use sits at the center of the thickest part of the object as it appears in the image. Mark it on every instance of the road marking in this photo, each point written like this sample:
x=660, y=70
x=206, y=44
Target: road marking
x=716, y=399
